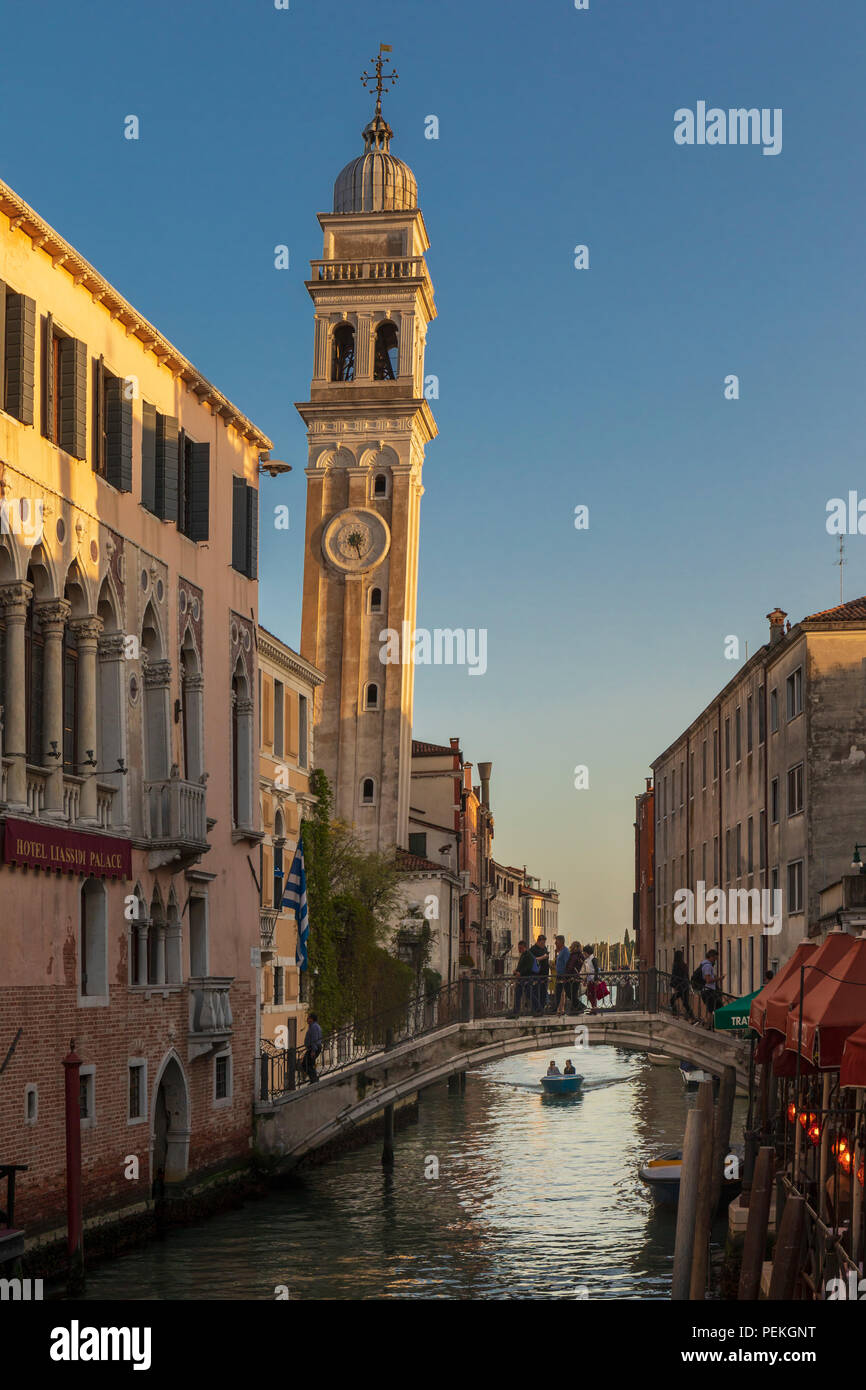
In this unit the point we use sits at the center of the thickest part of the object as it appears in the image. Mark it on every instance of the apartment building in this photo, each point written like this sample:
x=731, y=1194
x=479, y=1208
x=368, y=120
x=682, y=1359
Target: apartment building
x=764, y=793
x=505, y=915
x=540, y=909
x=128, y=501
x=287, y=684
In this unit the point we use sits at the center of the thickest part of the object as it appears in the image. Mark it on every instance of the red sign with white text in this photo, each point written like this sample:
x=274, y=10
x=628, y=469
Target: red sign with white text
x=66, y=851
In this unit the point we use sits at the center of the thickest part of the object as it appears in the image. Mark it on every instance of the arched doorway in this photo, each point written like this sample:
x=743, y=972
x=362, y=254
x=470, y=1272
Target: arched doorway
x=170, y=1133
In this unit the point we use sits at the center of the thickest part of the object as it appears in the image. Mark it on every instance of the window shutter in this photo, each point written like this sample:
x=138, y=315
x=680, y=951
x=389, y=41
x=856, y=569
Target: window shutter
x=239, y=524
x=73, y=397
x=4, y=291
x=148, y=456
x=97, y=462
x=20, y=349
x=252, y=567
x=48, y=376
x=118, y=435
x=199, y=487
x=166, y=467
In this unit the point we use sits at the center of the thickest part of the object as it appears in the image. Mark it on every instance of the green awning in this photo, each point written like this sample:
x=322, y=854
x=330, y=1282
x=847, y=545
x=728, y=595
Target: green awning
x=734, y=1015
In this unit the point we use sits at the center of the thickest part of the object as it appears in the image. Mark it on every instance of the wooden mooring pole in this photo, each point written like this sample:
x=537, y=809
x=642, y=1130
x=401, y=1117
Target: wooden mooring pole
x=722, y=1132
x=755, y=1243
x=687, y=1206
x=704, y=1206
x=786, y=1258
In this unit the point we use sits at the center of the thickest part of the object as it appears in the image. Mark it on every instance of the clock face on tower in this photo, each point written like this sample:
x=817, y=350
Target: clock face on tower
x=356, y=540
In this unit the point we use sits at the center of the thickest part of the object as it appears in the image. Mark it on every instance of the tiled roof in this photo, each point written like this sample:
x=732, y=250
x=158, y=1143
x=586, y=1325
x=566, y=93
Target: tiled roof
x=855, y=611
x=428, y=750
x=417, y=861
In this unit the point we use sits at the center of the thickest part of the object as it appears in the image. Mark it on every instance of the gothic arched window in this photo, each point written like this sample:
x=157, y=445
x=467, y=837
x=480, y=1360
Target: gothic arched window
x=368, y=792
x=343, y=358
x=385, y=354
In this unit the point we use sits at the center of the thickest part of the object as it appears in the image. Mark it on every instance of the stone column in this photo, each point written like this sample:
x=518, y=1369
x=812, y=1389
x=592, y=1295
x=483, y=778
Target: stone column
x=14, y=599
x=142, y=927
x=159, y=956
x=173, y=953
x=87, y=631
x=52, y=620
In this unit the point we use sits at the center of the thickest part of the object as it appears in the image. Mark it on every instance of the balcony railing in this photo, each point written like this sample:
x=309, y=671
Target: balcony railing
x=267, y=926
x=210, y=1012
x=175, y=813
x=399, y=269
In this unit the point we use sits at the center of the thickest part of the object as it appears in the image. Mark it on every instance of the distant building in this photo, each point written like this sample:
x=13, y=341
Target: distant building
x=764, y=791
x=505, y=916
x=540, y=907
x=287, y=684
x=644, y=922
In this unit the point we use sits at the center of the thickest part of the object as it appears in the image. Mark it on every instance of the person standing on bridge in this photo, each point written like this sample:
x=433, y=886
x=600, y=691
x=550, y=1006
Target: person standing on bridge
x=575, y=962
x=313, y=1046
x=590, y=975
x=542, y=955
x=561, y=958
x=680, y=987
x=527, y=967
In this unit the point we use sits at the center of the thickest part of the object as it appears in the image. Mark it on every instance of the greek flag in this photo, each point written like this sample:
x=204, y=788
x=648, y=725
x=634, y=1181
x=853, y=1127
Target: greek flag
x=295, y=896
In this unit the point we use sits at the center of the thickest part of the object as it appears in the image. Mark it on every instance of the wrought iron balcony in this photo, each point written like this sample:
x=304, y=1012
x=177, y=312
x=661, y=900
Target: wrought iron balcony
x=210, y=1013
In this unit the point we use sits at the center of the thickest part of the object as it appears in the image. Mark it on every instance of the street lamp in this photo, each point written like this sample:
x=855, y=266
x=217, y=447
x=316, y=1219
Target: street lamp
x=273, y=466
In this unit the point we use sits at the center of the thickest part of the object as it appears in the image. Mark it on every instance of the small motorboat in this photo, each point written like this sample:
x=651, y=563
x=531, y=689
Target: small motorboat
x=693, y=1075
x=662, y=1177
x=561, y=1085
x=661, y=1059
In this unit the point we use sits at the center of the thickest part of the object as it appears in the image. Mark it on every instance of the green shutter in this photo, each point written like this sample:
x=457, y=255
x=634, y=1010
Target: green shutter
x=73, y=397
x=148, y=456
x=20, y=356
x=198, y=502
x=252, y=568
x=48, y=377
x=239, y=524
x=166, y=467
x=118, y=435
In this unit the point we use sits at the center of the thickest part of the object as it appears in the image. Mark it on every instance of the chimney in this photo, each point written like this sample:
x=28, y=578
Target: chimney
x=484, y=771
x=777, y=625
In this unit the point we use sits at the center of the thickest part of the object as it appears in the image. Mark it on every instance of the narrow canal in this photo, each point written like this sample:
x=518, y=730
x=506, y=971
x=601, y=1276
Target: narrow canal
x=536, y=1198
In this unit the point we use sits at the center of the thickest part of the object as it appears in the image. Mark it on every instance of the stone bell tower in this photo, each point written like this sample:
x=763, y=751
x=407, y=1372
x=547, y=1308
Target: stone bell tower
x=367, y=426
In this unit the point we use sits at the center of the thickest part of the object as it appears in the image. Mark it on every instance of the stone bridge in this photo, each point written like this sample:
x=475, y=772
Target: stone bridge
x=290, y=1126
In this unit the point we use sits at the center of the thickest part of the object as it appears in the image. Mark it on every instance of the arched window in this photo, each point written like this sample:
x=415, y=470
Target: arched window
x=343, y=357
x=380, y=485
x=93, y=955
x=385, y=353
x=375, y=600
x=368, y=792
x=241, y=749
x=371, y=696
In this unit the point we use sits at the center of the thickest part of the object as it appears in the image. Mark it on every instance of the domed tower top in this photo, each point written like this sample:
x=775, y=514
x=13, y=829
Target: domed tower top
x=376, y=181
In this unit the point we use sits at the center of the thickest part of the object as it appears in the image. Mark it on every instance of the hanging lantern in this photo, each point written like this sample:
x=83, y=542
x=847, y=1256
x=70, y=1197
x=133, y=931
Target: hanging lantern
x=792, y=1113
x=860, y=1175
x=814, y=1131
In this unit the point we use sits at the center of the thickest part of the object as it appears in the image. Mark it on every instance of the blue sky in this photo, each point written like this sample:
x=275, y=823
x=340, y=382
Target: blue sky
x=557, y=387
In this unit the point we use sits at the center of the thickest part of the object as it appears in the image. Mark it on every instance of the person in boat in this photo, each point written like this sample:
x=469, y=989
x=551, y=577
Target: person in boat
x=680, y=988
x=553, y=1069
x=568, y=1069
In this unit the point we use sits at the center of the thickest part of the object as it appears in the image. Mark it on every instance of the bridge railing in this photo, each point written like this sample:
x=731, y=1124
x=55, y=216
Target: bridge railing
x=283, y=1070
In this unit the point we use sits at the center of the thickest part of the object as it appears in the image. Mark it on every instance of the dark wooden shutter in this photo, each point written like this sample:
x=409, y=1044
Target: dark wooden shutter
x=118, y=435
x=252, y=569
x=48, y=376
x=3, y=293
x=148, y=456
x=98, y=459
x=199, y=491
x=73, y=397
x=20, y=356
x=166, y=467
x=239, y=524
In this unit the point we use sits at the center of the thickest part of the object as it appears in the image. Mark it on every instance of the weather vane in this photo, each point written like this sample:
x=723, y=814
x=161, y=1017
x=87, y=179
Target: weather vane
x=380, y=77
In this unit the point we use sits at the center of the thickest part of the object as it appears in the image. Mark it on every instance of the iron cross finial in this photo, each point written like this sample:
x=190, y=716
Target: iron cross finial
x=380, y=77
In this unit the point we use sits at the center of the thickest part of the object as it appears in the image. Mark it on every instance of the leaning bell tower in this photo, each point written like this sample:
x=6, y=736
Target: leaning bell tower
x=368, y=424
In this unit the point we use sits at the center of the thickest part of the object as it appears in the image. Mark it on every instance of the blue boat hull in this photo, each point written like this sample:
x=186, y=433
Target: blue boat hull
x=561, y=1085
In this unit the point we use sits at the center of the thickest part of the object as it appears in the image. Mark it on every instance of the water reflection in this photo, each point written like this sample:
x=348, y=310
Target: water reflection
x=537, y=1197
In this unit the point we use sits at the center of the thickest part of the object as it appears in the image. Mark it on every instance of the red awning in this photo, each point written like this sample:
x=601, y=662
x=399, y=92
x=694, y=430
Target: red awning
x=785, y=1062
x=762, y=1015
x=853, y=1069
x=834, y=1006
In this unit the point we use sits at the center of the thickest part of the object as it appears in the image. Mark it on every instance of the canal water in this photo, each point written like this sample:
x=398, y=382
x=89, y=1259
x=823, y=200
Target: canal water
x=536, y=1198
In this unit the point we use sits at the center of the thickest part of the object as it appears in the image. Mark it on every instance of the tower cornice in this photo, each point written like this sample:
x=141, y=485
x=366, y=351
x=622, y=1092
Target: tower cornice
x=386, y=415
